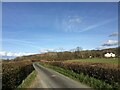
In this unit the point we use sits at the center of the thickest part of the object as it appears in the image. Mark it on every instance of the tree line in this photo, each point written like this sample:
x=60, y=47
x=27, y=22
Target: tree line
x=70, y=55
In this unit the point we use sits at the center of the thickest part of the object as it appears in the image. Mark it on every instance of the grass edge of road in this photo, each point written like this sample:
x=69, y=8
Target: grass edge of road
x=85, y=79
x=28, y=81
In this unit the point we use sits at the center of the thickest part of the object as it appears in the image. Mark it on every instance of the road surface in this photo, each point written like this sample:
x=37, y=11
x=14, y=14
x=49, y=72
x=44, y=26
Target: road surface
x=48, y=78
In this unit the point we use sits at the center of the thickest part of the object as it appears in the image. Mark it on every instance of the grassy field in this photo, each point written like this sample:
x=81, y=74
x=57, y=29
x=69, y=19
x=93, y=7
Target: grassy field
x=97, y=60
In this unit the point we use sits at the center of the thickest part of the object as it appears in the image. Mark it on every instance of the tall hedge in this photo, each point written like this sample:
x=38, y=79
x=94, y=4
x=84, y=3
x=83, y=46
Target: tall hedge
x=14, y=73
x=108, y=75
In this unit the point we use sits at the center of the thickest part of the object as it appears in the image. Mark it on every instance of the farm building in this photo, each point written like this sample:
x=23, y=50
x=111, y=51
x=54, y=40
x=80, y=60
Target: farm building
x=108, y=55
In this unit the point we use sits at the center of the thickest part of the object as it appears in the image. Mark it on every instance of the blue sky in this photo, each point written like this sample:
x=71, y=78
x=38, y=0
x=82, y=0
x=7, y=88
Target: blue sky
x=34, y=27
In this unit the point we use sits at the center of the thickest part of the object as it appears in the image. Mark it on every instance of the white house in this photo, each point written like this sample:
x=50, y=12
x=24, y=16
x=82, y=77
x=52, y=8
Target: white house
x=112, y=54
x=108, y=55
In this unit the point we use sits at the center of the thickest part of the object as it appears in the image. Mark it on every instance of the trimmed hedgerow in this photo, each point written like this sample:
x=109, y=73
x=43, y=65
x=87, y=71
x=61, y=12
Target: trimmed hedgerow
x=14, y=72
x=94, y=76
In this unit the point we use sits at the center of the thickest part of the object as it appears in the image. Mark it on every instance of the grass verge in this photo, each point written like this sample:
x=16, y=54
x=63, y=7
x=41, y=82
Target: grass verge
x=28, y=81
x=90, y=81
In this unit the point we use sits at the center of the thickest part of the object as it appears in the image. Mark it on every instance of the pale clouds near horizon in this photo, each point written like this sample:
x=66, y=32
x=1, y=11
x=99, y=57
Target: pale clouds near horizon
x=3, y=53
x=110, y=43
x=51, y=50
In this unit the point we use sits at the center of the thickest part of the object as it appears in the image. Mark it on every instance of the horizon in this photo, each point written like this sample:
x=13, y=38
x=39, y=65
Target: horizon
x=13, y=56
x=34, y=28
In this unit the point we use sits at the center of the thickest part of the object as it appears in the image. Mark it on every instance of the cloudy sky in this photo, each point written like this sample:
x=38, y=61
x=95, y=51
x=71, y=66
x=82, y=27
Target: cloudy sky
x=39, y=27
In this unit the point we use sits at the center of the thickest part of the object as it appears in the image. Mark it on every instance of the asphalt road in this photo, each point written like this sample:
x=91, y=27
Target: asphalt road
x=48, y=78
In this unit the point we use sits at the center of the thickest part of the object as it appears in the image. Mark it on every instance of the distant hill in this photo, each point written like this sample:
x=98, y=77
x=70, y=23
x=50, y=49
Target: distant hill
x=7, y=57
x=68, y=55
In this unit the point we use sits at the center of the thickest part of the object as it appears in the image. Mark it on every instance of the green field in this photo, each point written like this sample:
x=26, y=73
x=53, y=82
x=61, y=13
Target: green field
x=97, y=60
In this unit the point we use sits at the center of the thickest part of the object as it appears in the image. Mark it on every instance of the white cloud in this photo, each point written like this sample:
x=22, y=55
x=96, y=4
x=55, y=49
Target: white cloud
x=2, y=53
x=113, y=34
x=43, y=51
x=52, y=50
x=46, y=50
x=71, y=23
x=110, y=43
x=10, y=54
x=15, y=54
x=60, y=49
x=101, y=47
x=74, y=19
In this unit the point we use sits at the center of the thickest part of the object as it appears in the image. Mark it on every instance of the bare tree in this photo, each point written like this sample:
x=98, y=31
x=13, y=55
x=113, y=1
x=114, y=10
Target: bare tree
x=78, y=49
